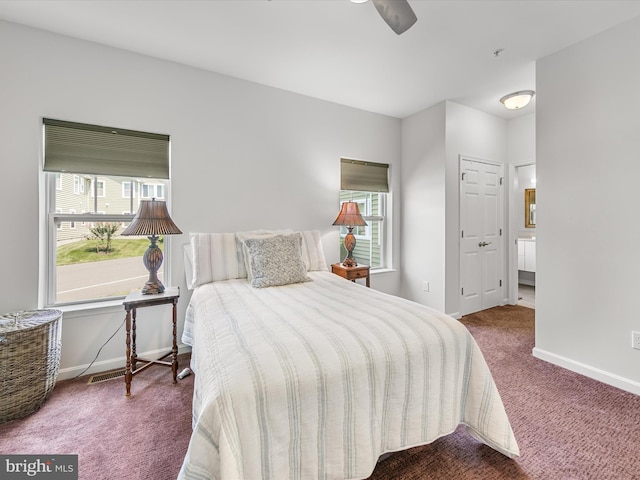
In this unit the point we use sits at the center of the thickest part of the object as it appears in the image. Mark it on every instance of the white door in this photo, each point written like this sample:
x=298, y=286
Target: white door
x=481, y=228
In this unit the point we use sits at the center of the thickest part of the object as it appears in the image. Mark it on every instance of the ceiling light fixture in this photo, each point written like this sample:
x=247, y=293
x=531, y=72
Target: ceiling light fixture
x=517, y=100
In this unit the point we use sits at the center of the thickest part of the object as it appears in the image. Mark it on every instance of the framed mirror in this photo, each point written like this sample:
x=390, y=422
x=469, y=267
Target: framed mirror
x=530, y=207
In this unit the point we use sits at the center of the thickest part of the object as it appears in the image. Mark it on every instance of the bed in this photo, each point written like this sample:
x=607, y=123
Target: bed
x=317, y=377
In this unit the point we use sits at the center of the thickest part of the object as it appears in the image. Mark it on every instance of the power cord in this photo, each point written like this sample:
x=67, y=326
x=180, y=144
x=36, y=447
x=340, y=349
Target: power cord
x=99, y=350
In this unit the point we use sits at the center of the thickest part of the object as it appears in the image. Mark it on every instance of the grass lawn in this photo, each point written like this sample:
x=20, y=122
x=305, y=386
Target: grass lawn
x=84, y=251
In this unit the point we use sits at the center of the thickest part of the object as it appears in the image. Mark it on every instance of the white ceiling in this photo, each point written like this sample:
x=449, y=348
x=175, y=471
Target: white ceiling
x=341, y=51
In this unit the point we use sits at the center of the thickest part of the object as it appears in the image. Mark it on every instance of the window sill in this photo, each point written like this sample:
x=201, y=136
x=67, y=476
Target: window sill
x=89, y=308
x=382, y=271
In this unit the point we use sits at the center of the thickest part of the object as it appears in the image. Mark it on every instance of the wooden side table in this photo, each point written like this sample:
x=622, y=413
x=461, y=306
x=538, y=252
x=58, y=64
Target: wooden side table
x=351, y=273
x=131, y=303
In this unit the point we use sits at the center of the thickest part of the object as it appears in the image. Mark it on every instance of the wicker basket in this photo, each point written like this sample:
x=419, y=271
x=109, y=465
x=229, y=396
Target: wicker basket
x=29, y=360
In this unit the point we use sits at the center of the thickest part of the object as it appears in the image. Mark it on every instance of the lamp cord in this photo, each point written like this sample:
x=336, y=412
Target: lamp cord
x=99, y=350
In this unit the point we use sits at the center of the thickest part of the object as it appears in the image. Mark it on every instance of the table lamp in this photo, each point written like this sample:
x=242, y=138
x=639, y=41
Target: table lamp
x=349, y=217
x=151, y=220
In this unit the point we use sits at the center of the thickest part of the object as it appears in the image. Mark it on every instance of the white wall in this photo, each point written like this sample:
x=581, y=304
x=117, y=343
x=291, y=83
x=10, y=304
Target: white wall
x=588, y=147
x=244, y=156
x=423, y=206
x=432, y=142
x=521, y=140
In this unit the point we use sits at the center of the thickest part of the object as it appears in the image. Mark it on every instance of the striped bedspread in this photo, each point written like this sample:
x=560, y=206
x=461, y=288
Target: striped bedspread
x=316, y=380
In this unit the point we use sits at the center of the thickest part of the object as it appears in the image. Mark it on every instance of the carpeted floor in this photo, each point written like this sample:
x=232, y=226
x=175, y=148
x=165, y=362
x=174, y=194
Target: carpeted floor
x=568, y=427
x=143, y=437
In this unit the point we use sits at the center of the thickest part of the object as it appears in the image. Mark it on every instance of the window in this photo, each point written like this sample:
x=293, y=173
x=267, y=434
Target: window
x=150, y=190
x=366, y=184
x=78, y=185
x=87, y=260
x=72, y=224
x=126, y=189
x=369, y=248
x=98, y=188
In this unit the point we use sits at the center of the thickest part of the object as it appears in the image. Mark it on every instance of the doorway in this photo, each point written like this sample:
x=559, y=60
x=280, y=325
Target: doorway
x=524, y=203
x=481, y=235
x=527, y=296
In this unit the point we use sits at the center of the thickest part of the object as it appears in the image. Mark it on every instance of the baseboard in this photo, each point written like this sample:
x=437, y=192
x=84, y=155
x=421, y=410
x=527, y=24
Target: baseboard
x=112, y=363
x=588, y=371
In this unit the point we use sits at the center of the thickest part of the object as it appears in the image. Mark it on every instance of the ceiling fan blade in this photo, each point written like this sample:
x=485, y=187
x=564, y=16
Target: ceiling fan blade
x=397, y=13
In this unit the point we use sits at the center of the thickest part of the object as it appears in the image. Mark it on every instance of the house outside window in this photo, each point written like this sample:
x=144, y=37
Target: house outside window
x=87, y=259
x=366, y=184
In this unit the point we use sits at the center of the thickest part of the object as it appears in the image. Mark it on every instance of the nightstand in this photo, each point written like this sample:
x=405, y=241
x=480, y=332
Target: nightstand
x=351, y=273
x=131, y=303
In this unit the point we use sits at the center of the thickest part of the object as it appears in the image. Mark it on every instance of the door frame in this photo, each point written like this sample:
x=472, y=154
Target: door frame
x=505, y=260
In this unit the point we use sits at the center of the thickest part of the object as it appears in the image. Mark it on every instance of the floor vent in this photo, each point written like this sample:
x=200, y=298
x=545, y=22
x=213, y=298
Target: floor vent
x=103, y=377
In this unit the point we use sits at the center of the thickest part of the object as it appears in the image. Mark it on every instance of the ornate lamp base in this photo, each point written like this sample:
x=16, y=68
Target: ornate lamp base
x=152, y=259
x=349, y=245
x=151, y=288
x=349, y=262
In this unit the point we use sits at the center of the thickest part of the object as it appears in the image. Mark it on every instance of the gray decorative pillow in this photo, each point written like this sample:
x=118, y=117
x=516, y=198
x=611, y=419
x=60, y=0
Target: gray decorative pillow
x=242, y=236
x=276, y=260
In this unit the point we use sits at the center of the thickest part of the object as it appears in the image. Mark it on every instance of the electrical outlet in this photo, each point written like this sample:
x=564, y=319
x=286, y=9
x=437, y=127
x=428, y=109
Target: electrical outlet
x=635, y=340
x=425, y=286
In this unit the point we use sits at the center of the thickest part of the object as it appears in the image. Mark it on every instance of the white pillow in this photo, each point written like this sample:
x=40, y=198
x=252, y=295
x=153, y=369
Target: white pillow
x=276, y=260
x=216, y=257
x=312, y=251
x=187, y=255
